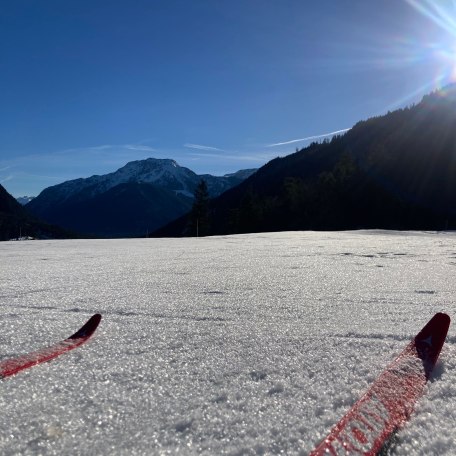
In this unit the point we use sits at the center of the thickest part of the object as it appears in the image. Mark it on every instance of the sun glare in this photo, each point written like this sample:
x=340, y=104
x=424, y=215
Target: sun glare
x=442, y=14
x=453, y=63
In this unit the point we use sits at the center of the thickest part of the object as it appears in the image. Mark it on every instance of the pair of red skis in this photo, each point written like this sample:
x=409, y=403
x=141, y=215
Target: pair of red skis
x=366, y=427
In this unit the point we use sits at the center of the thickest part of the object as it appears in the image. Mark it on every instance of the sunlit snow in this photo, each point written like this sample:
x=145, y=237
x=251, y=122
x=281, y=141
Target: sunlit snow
x=238, y=345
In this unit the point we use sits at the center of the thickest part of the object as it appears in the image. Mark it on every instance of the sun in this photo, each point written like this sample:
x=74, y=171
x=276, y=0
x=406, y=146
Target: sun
x=443, y=14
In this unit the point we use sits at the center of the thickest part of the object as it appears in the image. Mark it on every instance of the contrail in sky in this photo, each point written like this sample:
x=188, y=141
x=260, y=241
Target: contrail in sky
x=309, y=138
x=199, y=147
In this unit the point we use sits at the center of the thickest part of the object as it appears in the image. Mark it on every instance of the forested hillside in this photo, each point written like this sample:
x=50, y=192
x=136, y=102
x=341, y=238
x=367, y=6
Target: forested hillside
x=16, y=222
x=396, y=171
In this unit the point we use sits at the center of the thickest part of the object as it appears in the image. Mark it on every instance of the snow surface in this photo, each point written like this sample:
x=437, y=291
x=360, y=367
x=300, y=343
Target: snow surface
x=235, y=345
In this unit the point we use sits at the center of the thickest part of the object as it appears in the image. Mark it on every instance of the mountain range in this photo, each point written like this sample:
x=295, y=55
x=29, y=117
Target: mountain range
x=396, y=171
x=132, y=201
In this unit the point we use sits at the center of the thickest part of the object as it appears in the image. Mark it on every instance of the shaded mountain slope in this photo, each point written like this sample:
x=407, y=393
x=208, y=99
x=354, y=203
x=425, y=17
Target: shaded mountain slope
x=15, y=222
x=130, y=209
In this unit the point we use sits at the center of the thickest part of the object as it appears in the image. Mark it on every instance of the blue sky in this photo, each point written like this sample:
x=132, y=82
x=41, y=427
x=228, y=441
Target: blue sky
x=217, y=85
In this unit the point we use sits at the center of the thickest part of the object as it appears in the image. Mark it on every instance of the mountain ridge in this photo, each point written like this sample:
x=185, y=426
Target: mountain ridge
x=80, y=204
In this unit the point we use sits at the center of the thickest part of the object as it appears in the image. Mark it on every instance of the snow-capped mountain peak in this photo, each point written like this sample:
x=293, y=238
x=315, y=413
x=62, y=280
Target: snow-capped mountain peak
x=154, y=188
x=163, y=172
x=23, y=200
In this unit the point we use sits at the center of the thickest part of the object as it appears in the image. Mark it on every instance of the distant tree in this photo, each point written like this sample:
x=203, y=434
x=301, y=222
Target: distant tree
x=200, y=213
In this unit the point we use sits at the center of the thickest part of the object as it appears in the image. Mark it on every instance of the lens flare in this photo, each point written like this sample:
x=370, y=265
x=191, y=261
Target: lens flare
x=443, y=51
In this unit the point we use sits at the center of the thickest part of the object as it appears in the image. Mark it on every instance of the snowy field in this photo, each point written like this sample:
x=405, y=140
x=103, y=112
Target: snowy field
x=236, y=345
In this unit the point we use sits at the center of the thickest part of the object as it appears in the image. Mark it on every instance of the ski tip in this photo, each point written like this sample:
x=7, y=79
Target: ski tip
x=443, y=317
x=429, y=341
x=89, y=328
x=439, y=321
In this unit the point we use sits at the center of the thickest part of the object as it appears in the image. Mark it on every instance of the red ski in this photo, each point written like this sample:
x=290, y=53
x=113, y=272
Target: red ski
x=388, y=403
x=13, y=366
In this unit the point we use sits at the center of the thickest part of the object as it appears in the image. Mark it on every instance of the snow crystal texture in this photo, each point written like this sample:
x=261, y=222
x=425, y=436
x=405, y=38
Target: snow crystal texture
x=237, y=345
